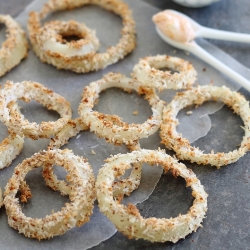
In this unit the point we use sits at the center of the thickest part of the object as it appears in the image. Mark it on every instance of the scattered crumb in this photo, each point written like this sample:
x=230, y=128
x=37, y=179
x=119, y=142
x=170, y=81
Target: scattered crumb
x=204, y=69
x=187, y=53
x=93, y=152
x=189, y=112
x=135, y=112
x=78, y=137
x=174, y=51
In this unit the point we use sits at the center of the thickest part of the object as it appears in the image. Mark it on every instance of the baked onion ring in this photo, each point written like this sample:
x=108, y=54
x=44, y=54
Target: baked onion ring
x=91, y=61
x=128, y=220
x=26, y=91
x=110, y=127
x=148, y=72
x=184, y=151
x=15, y=48
x=82, y=195
x=121, y=187
x=52, y=34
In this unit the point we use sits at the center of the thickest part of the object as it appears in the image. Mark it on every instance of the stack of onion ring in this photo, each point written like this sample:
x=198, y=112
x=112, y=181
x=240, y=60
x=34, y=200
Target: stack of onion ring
x=184, y=151
x=26, y=91
x=15, y=48
x=82, y=195
x=148, y=72
x=128, y=220
x=48, y=48
x=110, y=127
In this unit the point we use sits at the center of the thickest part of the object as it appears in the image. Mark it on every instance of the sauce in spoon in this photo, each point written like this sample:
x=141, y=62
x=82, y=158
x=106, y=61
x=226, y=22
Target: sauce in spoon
x=174, y=26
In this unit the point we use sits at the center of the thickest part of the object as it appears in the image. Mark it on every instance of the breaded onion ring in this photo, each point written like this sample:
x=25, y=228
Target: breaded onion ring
x=26, y=91
x=184, y=151
x=121, y=187
x=15, y=48
x=148, y=72
x=110, y=127
x=128, y=220
x=91, y=61
x=52, y=39
x=82, y=195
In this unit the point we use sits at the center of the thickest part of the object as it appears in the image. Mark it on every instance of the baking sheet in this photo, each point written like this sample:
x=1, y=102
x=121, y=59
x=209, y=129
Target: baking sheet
x=70, y=85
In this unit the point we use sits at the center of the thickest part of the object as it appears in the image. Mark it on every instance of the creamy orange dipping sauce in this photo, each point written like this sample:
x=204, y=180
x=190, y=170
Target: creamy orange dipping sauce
x=174, y=26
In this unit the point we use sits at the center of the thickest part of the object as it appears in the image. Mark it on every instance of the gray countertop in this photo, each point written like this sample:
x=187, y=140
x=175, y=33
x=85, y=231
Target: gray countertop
x=228, y=218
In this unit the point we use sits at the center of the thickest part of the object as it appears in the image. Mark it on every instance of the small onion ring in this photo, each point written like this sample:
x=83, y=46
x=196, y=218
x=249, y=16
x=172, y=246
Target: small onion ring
x=110, y=127
x=92, y=61
x=15, y=48
x=148, y=72
x=52, y=38
x=26, y=91
x=128, y=220
x=76, y=213
x=121, y=187
x=184, y=151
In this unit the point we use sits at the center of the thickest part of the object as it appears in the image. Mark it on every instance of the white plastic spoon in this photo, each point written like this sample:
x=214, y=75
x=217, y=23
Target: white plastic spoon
x=201, y=31
x=195, y=49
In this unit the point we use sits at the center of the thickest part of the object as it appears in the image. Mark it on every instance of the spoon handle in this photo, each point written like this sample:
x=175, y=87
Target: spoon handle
x=205, y=56
x=223, y=35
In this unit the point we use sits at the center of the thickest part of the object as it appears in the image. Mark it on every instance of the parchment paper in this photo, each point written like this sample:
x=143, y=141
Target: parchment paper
x=70, y=85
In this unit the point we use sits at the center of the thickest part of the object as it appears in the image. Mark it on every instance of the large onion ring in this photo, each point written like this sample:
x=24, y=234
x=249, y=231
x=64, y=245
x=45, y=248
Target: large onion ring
x=15, y=48
x=111, y=127
x=92, y=61
x=76, y=213
x=128, y=220
x=184, y=151
x=148, y=72
x=121, y=187
x=27, y=91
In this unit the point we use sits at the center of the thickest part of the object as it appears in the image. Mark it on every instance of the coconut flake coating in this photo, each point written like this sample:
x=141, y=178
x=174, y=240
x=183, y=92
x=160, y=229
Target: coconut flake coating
x=90, y=61
x=10, y=148
x=81, y=184
x=128, y=220
x=111, y=127
x=26, y=91
x=149, y=72
x=15, y=48
x=197, y=96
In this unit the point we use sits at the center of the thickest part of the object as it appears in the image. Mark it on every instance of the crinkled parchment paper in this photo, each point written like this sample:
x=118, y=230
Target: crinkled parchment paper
x=70, y=85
